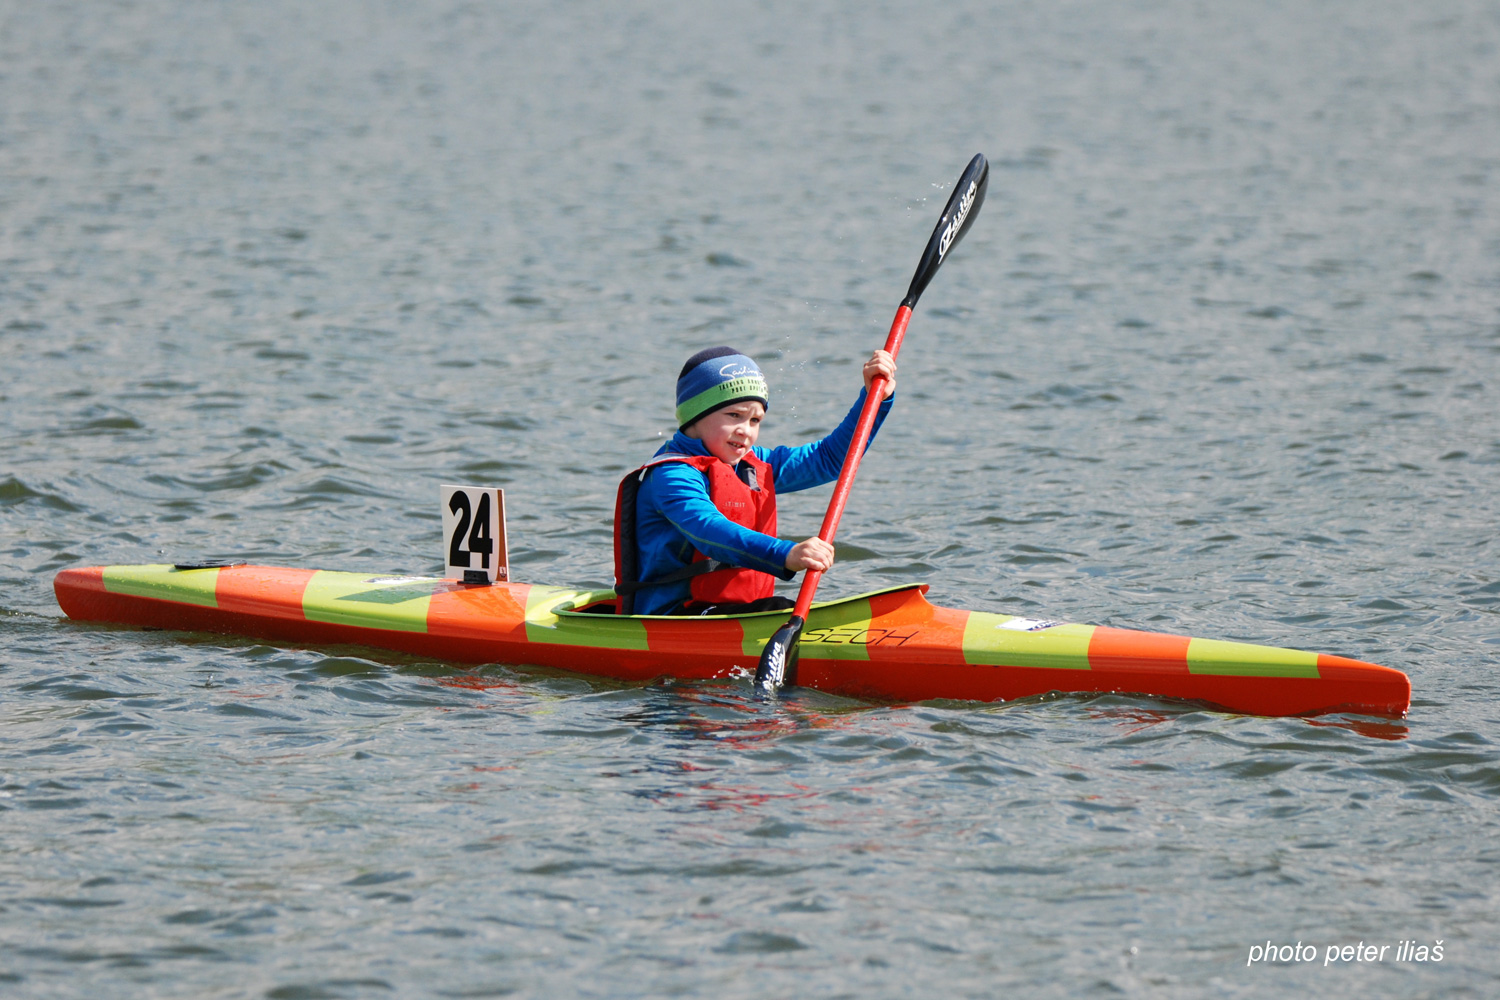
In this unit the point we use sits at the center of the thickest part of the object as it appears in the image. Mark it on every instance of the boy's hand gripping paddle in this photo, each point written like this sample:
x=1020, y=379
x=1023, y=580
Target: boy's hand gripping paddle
x=778, y=661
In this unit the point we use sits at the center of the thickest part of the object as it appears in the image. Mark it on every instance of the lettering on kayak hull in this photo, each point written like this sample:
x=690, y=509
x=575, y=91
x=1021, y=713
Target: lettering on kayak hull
x=848, y=635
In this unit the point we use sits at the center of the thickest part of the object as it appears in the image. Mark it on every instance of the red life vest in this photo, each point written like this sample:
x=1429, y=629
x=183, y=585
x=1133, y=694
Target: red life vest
x=749, y=504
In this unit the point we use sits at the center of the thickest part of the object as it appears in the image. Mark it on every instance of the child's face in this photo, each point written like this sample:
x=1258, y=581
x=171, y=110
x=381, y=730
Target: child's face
x=730, y=433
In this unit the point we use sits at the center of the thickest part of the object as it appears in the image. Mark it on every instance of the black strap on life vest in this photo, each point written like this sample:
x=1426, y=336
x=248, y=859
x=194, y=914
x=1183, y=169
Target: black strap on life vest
x=676, y=576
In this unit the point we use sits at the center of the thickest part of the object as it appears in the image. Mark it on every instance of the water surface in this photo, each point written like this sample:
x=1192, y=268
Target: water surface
x=1219, y=357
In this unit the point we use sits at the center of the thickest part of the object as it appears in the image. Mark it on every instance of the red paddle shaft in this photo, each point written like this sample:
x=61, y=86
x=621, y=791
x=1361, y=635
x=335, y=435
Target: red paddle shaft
x=851, y=460
x=778, y=659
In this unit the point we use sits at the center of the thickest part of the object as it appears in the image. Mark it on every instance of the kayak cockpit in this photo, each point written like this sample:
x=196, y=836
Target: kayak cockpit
x=602, y=602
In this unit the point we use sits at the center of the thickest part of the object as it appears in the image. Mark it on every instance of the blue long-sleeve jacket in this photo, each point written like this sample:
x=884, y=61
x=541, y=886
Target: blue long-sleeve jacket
x=674, y=515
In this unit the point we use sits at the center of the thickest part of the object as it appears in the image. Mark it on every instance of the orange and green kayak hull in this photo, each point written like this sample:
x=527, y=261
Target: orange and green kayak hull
x=891, y=645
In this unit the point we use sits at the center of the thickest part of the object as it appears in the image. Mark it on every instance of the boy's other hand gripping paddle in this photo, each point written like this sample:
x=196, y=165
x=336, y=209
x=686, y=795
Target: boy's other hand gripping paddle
x=778, y=661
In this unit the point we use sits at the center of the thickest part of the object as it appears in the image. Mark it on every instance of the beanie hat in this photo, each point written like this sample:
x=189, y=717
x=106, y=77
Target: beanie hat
x=714, y=378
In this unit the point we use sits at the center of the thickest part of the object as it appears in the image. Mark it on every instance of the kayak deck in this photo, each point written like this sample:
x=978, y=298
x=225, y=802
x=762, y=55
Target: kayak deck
x=889, y=645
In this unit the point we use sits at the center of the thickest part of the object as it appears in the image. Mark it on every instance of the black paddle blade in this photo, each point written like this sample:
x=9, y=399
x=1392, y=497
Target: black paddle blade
x=957, y=217
x=778, y=661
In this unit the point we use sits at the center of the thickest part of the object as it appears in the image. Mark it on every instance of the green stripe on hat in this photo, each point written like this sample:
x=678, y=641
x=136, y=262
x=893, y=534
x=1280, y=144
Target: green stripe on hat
x=744, y=387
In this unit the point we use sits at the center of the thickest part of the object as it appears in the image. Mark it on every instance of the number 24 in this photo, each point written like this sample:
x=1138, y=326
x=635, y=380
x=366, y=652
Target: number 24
x=479, y=538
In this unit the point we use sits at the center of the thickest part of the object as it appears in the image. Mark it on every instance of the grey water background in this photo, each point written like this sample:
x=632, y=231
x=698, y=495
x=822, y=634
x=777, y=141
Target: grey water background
x=1219, y=357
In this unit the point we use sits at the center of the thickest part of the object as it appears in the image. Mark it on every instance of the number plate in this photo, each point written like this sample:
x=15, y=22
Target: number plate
x=474, y=534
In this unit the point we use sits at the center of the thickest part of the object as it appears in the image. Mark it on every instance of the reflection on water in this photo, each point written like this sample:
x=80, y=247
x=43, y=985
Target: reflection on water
x=1367, y=727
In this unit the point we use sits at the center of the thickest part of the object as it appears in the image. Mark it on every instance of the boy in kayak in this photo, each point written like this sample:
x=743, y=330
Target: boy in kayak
x=695, y=527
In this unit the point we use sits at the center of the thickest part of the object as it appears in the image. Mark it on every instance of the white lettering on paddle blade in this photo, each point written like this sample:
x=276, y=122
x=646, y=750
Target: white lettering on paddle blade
x=776, y=666
x=957, y=222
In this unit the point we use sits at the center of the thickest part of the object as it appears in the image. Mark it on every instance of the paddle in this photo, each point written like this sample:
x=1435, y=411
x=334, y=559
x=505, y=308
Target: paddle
x=778, y=661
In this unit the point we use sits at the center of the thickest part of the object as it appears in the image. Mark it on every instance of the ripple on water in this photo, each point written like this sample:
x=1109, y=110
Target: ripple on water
x=14, y=491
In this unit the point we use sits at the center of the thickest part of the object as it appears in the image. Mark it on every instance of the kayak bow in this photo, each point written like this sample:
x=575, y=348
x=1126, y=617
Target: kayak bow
x=890, y=645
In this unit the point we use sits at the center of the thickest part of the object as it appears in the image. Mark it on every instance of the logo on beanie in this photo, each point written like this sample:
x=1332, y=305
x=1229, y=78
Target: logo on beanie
x=735, y=370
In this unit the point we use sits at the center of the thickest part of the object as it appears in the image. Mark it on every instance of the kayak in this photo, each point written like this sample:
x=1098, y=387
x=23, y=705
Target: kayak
x=889, y=645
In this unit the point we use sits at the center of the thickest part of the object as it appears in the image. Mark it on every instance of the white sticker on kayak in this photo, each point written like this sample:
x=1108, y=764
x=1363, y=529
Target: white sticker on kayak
x=381, y=580
x=1028, y=624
